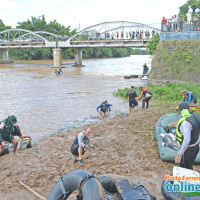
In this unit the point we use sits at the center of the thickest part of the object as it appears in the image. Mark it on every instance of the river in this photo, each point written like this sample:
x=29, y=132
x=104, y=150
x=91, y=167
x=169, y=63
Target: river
x=45, y=103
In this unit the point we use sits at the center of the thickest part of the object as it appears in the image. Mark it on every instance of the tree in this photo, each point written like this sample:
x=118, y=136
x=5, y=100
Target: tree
x=184, y=8
x=152, y=44
x=3, y=26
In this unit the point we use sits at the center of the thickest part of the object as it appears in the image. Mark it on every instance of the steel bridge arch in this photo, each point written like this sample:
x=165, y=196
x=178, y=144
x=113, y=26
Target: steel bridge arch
x=123, y=24
x=8, y=35
x=44, y=33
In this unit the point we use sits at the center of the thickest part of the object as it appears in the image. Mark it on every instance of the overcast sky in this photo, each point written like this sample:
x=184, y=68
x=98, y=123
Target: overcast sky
x=86, y=13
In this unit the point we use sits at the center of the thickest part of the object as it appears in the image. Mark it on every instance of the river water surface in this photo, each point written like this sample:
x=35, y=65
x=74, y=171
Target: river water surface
x=45, y=103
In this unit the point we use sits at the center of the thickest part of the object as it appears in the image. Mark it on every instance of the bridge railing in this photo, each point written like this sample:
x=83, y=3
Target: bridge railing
x=169, y=26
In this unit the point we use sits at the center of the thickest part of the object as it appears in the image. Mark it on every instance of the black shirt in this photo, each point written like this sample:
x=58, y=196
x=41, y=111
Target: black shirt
x=131, y=94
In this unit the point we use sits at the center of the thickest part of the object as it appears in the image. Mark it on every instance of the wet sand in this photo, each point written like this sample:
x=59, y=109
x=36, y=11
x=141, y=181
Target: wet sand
x=122, y=145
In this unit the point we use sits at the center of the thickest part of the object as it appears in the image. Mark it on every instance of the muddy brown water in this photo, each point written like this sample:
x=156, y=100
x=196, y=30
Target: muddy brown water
x=45, y=103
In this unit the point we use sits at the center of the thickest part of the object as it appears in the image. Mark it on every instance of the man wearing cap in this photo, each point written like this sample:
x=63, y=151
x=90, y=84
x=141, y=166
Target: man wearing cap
x=6, y=130
x=188, y=96
x=187, y=134
x=132, y=99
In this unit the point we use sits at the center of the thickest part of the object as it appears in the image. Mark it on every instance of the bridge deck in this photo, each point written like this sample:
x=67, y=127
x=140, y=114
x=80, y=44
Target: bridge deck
x=109, y=43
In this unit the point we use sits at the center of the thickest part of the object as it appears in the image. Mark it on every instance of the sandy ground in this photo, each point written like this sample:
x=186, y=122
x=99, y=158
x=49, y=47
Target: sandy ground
x=122, y=145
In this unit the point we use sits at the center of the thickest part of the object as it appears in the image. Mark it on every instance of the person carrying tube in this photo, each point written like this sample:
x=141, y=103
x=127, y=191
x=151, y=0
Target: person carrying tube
x=103, y=108
x=187, y=134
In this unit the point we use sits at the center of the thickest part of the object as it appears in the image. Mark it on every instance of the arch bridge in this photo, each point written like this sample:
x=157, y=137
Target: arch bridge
x=116, y=34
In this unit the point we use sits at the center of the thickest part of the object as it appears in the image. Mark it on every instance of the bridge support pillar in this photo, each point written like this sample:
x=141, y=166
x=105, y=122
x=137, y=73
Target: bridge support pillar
x=57, y=57
x=5, y=56
x=78, y=57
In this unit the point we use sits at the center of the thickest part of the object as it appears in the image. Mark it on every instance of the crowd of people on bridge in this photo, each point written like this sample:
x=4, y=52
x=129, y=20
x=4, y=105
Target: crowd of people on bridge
x=176, y=23
x=138, y=35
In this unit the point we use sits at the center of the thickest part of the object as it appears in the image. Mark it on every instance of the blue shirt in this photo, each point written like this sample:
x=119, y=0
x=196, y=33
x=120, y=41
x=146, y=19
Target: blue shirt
x=101, y=105
x=189, y=97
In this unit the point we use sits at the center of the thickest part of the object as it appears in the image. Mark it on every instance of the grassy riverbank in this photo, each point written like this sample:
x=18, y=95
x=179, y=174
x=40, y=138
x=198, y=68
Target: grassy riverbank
x=164, y=95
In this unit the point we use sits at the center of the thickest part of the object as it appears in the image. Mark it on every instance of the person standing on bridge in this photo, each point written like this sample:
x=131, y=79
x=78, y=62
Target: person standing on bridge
x=175, y=23
x=181, y=20
x=122, y=34
x=164, y=24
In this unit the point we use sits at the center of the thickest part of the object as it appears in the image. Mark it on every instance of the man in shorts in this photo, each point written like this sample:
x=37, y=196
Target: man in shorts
x=81, y=145
x=132, y=99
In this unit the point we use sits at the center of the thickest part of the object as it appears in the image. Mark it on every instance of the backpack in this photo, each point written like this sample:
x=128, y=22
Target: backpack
x=149, y=92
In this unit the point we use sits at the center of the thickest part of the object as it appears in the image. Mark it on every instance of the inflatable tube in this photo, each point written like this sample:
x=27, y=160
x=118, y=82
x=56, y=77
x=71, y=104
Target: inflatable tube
x=168, y=149
x=126, y=188
x=193, y=107
x=89, y=187
x=127, y=77
x=175, y=195
x=134, y=76
x=5, y=151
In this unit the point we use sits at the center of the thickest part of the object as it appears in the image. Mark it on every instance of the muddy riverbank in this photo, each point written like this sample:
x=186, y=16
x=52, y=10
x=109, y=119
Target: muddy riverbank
x=124, y=145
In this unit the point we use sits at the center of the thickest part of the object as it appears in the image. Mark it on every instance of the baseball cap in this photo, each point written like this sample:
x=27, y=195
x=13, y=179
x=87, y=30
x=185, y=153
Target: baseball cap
x=183, y=105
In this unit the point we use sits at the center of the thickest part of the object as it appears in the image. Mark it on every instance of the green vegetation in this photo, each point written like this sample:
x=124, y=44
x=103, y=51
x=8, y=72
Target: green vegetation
x=177, y=60
x=105, y=52
x=184, y=8
x=3, y=26
x=169, y=94
x=139, y=52
x=152, y=44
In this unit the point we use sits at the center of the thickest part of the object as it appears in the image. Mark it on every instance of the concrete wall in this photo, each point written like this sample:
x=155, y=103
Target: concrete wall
x=177, y=60
x=195, y=35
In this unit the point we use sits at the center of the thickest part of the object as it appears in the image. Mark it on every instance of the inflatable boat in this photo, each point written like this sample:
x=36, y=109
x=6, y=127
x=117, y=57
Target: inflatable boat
x=193, y=107
x=167, y=146
x=173, y=190
x=127, y=77
x=144, y=78
x=123, y=188
x=134, y=76
x=104, y=187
